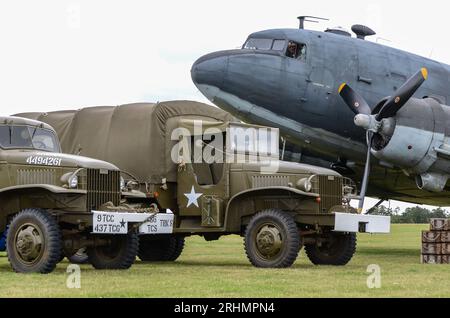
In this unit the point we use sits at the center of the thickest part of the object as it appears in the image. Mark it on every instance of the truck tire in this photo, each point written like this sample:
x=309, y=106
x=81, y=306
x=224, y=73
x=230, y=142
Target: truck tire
x=164, y=248
x=80, y=257
x=272, y=240
x=120, y=254
x=34, y=242
x=338, y=251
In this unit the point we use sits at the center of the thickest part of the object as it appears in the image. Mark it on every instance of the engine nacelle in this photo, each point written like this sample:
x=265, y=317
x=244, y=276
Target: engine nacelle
x=419, y=143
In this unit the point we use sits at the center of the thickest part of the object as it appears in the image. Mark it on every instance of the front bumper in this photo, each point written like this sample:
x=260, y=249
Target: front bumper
x=354, y=223
x=123, y=222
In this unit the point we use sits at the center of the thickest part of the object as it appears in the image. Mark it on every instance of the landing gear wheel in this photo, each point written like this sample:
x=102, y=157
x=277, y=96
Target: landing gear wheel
x=119, y=254
x=34, y=243
x=338, y=249
x=272, y=240
x=162, y=248
x=80, y=257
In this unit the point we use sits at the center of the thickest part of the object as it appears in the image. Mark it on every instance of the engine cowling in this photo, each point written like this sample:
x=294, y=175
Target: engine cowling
x=418, y=142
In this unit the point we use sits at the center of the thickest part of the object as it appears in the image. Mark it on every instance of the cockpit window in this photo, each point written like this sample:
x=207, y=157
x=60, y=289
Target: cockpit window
x=258, y=44
x=278, y=45
x=17, y=137
x=296, y=50
x=265, y=44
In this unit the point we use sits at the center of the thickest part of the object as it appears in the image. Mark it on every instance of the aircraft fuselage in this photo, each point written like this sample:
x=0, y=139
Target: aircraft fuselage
x=263, y=85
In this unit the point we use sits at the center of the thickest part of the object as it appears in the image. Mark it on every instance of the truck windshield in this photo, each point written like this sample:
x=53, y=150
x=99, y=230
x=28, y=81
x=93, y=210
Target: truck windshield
x=261, y=141
x=17, y=137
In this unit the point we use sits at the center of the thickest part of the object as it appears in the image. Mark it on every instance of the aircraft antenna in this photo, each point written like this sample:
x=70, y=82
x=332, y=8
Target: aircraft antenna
x=308, y=18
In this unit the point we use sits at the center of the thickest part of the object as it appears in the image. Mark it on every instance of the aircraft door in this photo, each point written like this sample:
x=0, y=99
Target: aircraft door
x=400, y=69
x=373, y=76
x=319, y=81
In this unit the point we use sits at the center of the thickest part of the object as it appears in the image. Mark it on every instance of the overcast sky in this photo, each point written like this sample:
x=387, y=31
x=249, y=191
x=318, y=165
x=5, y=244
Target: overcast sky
x=70, y=54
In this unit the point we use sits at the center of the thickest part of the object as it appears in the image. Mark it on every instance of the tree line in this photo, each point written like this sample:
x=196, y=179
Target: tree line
x=414, y=215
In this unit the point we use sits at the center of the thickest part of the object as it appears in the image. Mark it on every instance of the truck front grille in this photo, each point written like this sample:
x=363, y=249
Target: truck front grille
x=330, y=191
x=102, y=186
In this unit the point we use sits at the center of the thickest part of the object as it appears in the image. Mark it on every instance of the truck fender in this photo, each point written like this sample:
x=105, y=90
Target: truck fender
x=47, y=187
x=234, y=211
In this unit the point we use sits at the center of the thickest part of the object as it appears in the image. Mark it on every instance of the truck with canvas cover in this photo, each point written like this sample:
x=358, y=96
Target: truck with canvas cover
x=54, y=205
x=220, y=177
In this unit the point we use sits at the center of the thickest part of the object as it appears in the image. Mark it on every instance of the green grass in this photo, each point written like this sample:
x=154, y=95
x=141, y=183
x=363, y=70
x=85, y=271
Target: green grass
x=221, y=269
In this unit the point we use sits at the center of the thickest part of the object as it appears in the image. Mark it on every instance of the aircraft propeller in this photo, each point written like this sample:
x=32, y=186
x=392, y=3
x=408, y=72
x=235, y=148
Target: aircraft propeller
x=373, y=123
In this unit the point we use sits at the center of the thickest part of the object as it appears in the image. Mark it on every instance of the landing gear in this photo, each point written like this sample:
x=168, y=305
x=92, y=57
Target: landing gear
x=272, y=240
x=161, y=248
x=332, y=249
x=119, y=254
x=34, y=243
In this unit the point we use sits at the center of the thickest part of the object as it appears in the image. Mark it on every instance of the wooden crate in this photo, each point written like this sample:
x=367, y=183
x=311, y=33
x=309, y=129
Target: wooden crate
x=440, y=224
x=435, y=259
x=431, y=249
x=444, y=236
x=445, y=248
x=432, y=237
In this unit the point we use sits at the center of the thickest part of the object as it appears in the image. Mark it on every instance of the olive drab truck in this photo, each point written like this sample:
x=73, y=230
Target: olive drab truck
x=220, y=177
x=54, y=205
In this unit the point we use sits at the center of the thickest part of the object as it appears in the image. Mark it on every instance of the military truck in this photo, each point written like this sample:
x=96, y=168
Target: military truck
x=221, y=177
x=54, y=204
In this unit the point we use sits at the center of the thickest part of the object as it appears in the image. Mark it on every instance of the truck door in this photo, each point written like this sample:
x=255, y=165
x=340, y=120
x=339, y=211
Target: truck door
x=202, y=182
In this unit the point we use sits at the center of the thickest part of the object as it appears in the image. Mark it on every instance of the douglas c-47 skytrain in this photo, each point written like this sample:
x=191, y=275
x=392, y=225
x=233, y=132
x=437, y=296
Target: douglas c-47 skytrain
x=293, y=79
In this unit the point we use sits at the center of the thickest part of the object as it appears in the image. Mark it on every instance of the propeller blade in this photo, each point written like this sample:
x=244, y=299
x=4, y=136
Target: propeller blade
x=365, y=182
x=353, y=100
x=402, y=95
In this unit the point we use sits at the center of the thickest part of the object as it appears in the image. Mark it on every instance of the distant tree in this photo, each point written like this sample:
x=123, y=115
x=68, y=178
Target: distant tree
x=382, y=210
x=414, y=215
x=438, y=213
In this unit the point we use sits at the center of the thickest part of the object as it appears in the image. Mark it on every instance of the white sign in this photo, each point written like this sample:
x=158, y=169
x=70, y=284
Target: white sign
x=161, y=223
x=118, y=222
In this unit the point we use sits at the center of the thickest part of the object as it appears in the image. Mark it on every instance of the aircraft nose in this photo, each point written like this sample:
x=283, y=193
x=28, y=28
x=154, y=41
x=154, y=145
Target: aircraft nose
x=209, y=71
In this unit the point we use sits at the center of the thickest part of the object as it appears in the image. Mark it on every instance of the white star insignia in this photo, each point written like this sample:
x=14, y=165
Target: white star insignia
x=193, y=197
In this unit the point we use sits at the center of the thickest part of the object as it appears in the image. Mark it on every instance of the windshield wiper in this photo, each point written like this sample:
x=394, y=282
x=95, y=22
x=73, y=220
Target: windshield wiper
x=10, y=134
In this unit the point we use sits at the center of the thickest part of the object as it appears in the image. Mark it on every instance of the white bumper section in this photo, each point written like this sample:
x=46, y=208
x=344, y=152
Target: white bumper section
x=354, y=223
x=119, y=222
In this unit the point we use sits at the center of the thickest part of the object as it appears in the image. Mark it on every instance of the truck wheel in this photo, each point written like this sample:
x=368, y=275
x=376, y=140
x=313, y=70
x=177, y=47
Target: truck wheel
x=338, y=250
x=119, y=254
x=80, y=257
x=34, y=243
x=272, y=240
x=160, y=248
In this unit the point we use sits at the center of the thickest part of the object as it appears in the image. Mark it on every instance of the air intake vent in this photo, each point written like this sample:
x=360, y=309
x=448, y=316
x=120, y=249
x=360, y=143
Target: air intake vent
x=270, y=181
x=36, y=176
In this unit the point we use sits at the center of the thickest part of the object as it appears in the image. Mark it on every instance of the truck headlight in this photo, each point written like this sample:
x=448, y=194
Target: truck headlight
x=73, y=182
x=304, y=185
x=122, y=184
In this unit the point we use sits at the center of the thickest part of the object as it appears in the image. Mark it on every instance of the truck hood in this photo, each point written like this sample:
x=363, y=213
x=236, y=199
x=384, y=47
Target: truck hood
x=287, y=168
x=23, y=157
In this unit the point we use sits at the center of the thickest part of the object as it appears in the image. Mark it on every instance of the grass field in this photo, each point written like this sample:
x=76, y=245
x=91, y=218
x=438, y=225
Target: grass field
x=220, y=269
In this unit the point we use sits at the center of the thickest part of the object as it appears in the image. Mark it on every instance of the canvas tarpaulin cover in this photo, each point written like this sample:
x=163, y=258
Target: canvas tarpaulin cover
x=135, y=137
